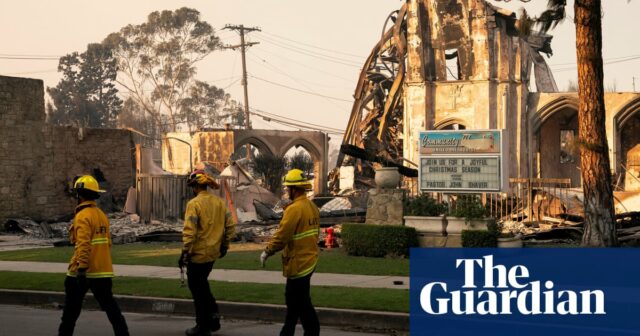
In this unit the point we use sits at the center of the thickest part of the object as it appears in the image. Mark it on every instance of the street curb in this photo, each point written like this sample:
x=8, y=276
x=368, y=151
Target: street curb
x=369, y=320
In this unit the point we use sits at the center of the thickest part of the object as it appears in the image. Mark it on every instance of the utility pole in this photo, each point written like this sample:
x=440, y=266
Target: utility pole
x=241, y=29
x=634, y=84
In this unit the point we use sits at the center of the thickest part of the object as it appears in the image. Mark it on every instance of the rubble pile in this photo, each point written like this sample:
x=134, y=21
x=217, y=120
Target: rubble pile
x=258, y=233
x=125, y=228
x=568, y=229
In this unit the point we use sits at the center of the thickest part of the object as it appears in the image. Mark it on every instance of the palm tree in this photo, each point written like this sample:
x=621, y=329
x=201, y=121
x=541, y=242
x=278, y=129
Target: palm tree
x=599, y=224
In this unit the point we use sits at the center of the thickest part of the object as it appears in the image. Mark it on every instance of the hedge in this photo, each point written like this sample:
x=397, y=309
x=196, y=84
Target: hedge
x=479, y=238
x=378, y=240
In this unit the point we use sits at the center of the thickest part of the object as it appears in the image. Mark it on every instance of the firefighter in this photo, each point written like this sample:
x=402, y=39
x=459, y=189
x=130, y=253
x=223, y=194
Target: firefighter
x=90, y=266
x=207, y=232
x=297, y=235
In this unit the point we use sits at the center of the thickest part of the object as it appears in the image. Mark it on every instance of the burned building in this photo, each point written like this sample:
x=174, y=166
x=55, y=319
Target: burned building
x=466, y=64
x=218, y=146
x=38, y=161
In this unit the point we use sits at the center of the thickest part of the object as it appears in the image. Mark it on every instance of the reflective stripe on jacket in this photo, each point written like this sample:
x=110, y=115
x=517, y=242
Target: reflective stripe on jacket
x=207, y=225
x=89, y=233
x=297, y=236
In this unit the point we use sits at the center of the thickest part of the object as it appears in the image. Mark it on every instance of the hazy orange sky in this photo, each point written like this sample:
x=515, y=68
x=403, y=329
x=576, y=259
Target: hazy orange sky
x=350, y=27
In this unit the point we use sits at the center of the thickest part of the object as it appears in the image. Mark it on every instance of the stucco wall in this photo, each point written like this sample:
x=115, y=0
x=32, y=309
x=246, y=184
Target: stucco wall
x=620, y=109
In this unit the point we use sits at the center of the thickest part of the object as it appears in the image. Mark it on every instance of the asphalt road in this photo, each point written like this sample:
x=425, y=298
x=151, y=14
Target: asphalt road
x=21, y=320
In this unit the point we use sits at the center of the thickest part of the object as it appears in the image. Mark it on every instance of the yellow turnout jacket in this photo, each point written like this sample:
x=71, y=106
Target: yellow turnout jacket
x=207, y=225
x=297, y=236
x=90, y=235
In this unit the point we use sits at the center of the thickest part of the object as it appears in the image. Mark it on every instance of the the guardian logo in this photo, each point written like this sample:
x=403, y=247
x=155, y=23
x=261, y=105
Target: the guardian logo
x=506, y=291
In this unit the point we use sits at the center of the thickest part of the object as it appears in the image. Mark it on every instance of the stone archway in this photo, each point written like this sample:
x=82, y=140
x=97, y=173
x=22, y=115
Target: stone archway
x=627, y=145
x=555, y=134
x=260, y=144
x=315, y=156
x=278, y=142
x=450, y=124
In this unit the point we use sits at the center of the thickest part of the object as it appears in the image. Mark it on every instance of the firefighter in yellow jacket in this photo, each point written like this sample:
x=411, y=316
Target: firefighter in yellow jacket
x=297, y=236
x=208, y=230
x=90, y=266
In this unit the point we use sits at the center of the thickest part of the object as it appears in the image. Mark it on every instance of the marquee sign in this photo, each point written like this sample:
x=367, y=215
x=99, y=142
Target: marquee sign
x=460, y=142
x=461, y=161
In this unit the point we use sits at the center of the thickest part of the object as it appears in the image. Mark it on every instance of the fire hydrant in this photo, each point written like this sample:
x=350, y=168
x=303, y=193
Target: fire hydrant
x=329, y=240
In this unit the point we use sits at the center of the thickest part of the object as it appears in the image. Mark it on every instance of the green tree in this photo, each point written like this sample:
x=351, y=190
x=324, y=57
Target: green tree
x=302, y=161
x=204, y=106
x=131, y=116
x=272, y=168
x=157, y=60
x=86, y=94
x=599, y=225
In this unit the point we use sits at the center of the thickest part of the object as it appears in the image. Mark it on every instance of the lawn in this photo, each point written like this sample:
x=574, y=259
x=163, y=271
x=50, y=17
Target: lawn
x=394, y=300
x=166, y=254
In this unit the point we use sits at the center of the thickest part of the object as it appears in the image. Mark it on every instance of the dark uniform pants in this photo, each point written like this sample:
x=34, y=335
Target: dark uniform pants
x=74, y=295
x=298, y=298
x=204, y=302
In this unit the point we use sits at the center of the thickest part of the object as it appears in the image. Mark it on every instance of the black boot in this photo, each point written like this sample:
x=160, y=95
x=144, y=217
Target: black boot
x=197, y=331
x=215, y=323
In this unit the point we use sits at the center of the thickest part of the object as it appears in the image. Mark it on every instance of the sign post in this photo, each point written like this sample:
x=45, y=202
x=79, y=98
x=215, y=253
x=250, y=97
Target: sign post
x=470, y=161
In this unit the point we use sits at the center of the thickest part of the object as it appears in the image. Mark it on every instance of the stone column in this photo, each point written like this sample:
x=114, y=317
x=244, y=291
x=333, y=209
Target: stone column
x=384, y=206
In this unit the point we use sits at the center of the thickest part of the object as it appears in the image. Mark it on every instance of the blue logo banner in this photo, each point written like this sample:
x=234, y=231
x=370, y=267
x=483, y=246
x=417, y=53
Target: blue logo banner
x=542, y=292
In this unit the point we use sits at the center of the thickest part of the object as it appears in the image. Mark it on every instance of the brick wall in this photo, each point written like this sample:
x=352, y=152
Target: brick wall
x=73, y=153
x=21, y=144
x=38, y=161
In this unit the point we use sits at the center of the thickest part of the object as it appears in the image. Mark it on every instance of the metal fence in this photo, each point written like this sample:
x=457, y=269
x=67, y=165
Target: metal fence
x=535, y=199
x=162, y=197
x=526, y=199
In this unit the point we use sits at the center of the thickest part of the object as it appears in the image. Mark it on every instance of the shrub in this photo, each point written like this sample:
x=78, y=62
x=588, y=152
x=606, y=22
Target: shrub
x=272, y=168
x=481, y=238
x=469, y=207
x=424, y=205
x=378, y=240
x=301, y=161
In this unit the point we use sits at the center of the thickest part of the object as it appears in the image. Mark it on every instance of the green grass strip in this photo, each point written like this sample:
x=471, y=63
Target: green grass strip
x=166, y=254
x=392, y=300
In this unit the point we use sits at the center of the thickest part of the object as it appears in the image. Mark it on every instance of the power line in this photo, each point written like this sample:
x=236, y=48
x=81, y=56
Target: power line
x=313, y=46
x=296, y=120
x=278, y=70
x=606, y=60
x=272, y=67
x=312, y=54
x=300, y=125
x=29, y=55
x=306, y=66
x=30, y=58
x=232, y=83
x=301, y=91
x=632, y=58
x=224, y=79
x=233, y=67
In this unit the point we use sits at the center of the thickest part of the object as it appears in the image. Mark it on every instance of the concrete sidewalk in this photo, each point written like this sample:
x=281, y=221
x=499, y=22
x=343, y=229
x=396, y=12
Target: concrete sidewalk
x=272, y=277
